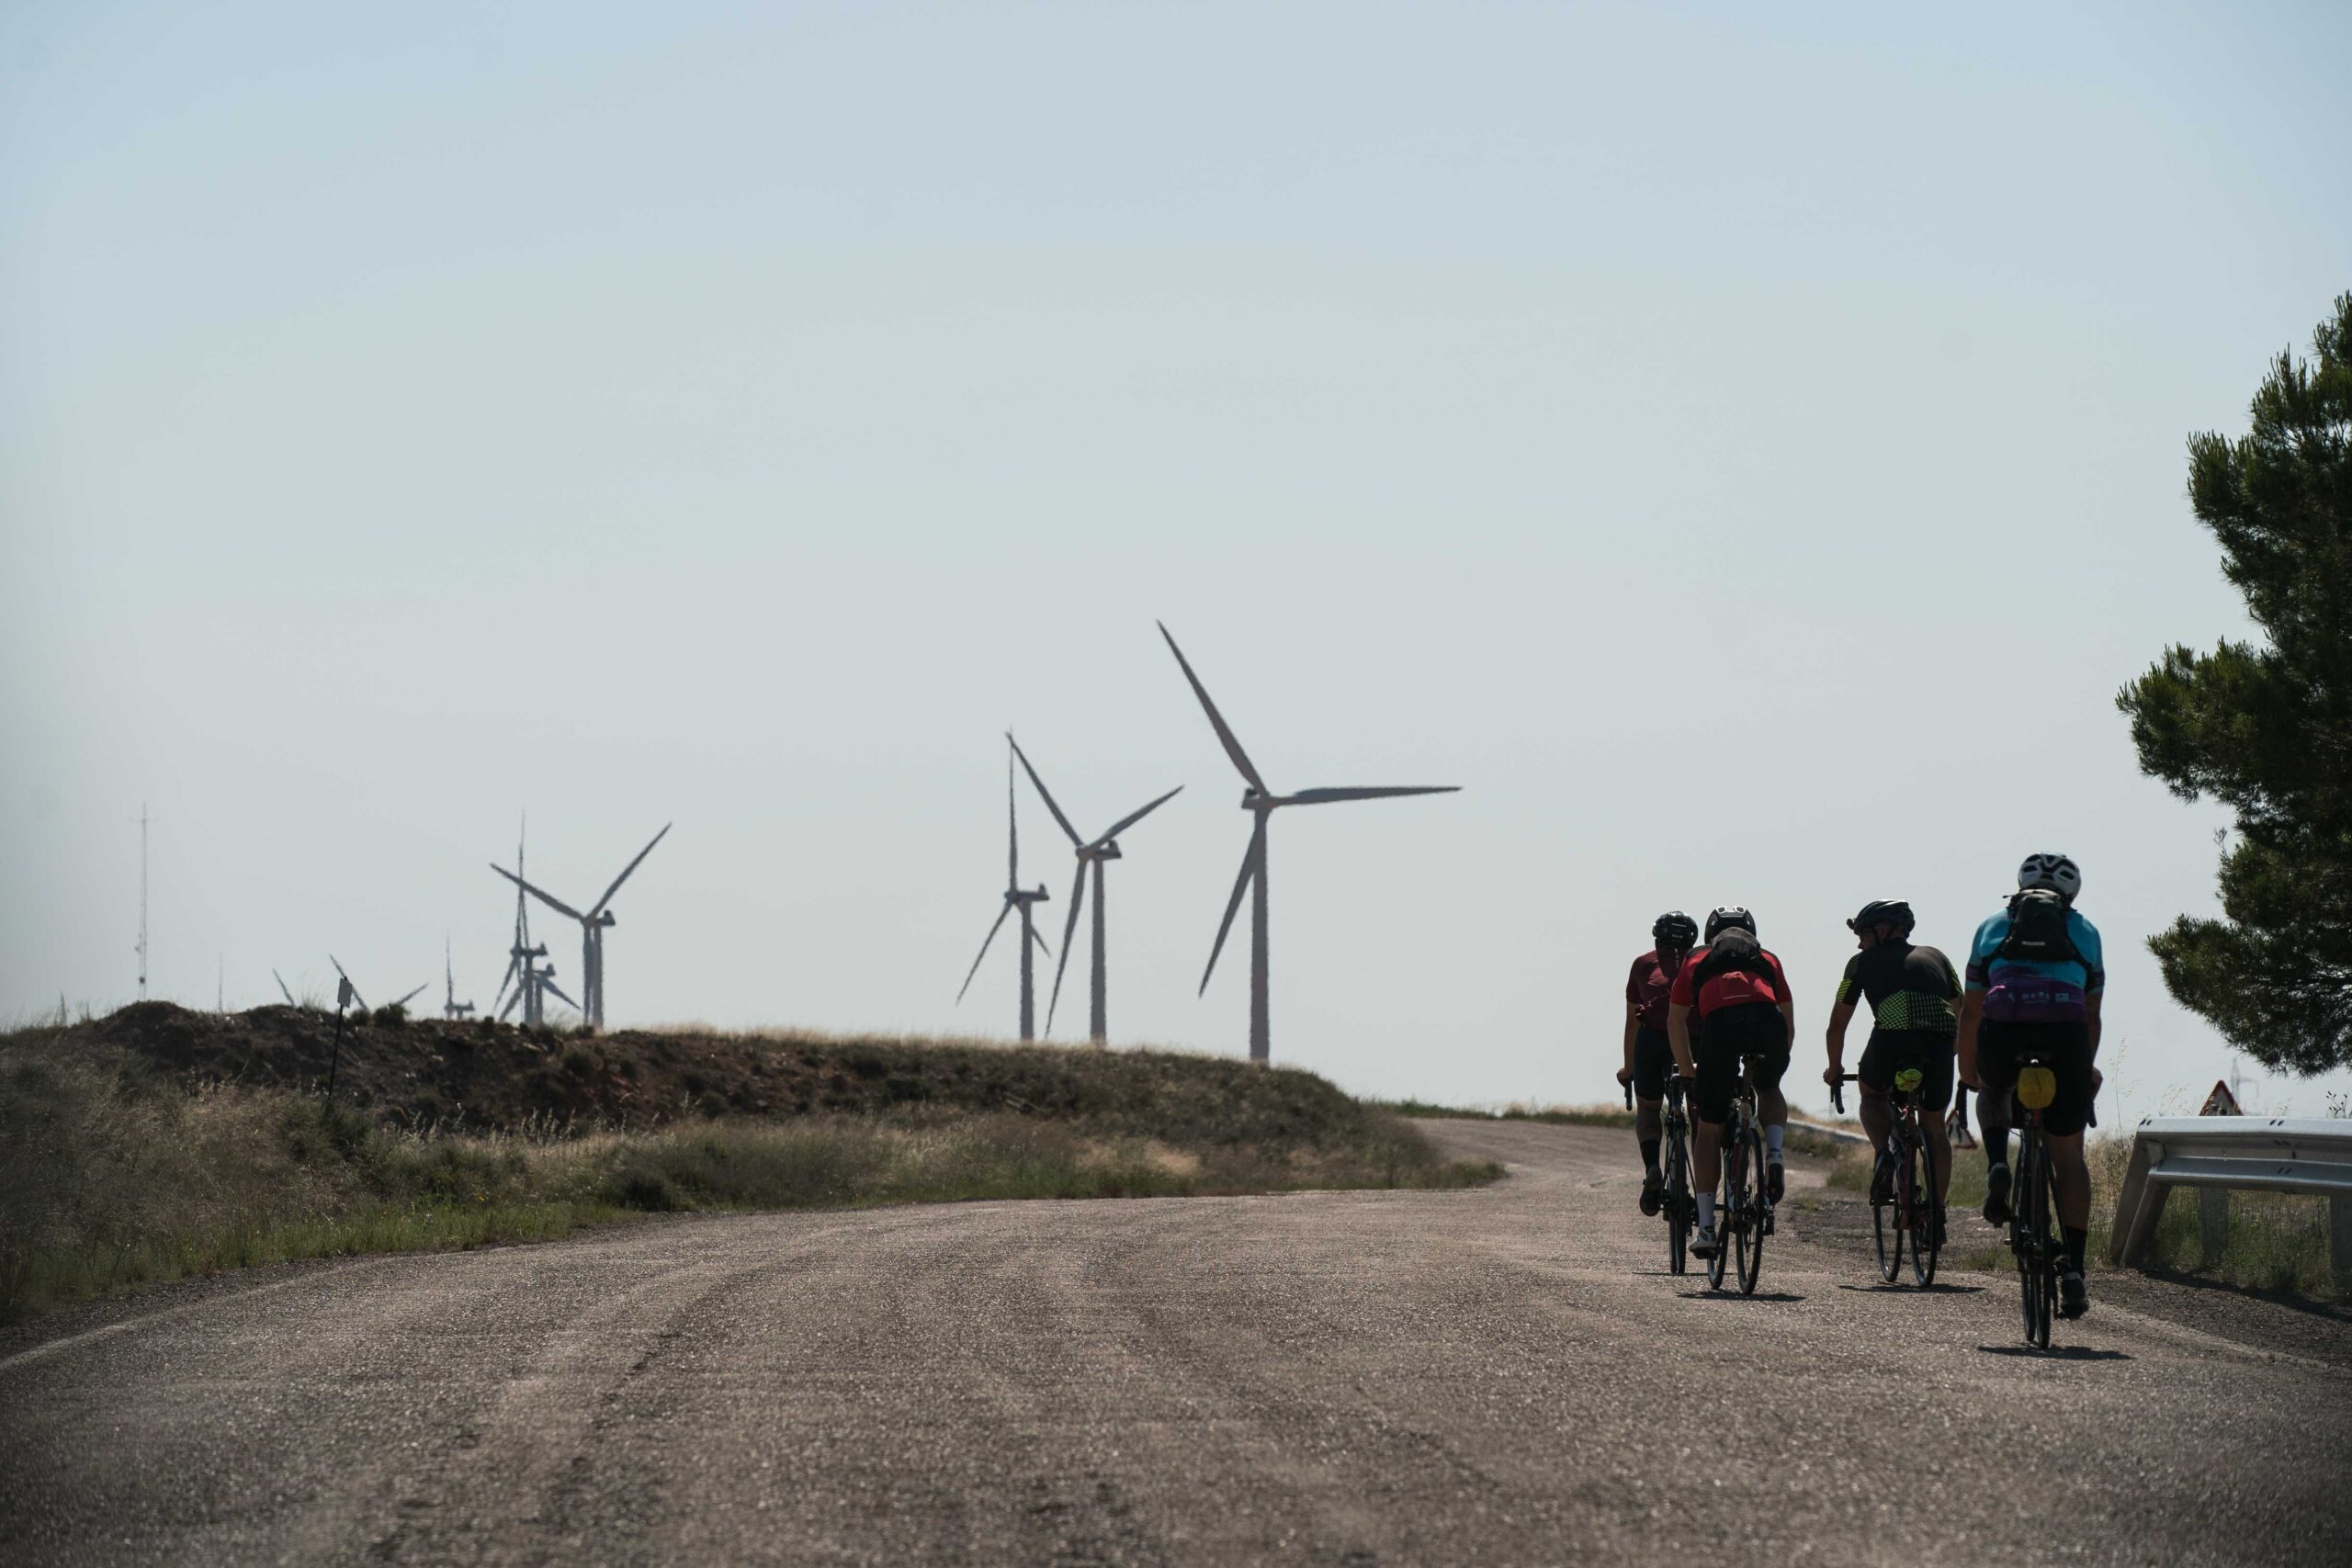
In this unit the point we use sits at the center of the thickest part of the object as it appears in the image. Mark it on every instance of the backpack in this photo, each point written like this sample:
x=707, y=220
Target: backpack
x=2038, y=932
x=1734, y=950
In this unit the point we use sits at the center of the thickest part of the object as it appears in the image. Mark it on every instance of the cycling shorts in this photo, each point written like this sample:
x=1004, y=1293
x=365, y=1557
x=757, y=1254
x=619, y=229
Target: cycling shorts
x=2065, y=1047
x=1653, y=1061
x=1744, y=1029
x=1891, y=1050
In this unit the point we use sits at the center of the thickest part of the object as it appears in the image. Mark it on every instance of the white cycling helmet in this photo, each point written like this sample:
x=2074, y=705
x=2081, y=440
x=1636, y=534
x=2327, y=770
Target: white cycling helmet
x=2057, y=873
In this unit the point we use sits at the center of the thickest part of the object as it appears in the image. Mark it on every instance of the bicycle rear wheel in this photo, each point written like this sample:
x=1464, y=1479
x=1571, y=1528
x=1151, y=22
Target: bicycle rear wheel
x=2031, y=1230
x=1886, y=1229
x=1678, y=1200
x=1749, y=1234
x=1918, y=1179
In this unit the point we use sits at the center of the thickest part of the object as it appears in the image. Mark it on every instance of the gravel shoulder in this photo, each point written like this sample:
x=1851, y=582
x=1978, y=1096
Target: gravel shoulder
x=1501, y=1375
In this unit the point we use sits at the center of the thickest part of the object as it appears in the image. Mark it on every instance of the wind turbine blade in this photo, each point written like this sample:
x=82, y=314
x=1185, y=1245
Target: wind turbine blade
x=1217, y=720
x=1325, y=797
x=549, y=899
x=513, y=964
x=1240, y=885
x=1013, y=829
x=1043, y=793
x=511, y=1002
x=282, y=990
x=1132, y=817
x=1069, y=933
x=410, y=998
x=346, y=979
x=632, y=865
x=557, y=991
x=1043, y=945
x=984, y=950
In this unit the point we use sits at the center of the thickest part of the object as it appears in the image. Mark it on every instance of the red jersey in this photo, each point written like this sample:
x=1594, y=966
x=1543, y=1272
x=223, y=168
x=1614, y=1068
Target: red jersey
x=1732, y=987
x=1646, y=988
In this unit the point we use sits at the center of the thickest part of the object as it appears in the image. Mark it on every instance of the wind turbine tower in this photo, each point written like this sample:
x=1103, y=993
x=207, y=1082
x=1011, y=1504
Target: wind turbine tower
x=1092, y=855
x=1261, y=803
x=593, y=926
x=1023, y=899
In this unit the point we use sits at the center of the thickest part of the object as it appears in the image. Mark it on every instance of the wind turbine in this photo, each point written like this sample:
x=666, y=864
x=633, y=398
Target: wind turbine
x=1091, y=854
x=1022, y=899
x=591, y=930
x=1261, y=803
x=354, y=989
x=521, y=958
x=451, y=1007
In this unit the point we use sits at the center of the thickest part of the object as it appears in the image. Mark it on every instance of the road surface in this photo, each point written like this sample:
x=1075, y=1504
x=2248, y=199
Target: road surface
x=1503, y=1376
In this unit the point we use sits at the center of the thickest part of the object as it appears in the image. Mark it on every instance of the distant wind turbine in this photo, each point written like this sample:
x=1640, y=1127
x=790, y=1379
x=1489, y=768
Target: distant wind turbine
x=1261, y=803
x=354, y=989
x=282, y=990
x=1016, y=897
x=451, y=1007
x=1092, y=855
x=522, y=971
x=591, y=930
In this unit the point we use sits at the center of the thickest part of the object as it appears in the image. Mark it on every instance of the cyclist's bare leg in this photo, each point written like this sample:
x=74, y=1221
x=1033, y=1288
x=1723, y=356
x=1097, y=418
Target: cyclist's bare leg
x=1771, y=1108
x=1932, y=1123
x=1648, y=1126
x=1993, y=1124
x=1706, y=1155
x=1878, y=1118
x=2072, y=1179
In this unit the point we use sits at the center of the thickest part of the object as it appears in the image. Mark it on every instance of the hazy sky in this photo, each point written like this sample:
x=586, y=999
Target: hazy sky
x=1745, y=452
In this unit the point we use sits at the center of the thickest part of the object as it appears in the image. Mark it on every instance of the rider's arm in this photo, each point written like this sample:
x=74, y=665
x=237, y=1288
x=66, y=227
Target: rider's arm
x=1678, y=1034
x=1839, y=1017
x=1633, y=1027
x=1971, y=1013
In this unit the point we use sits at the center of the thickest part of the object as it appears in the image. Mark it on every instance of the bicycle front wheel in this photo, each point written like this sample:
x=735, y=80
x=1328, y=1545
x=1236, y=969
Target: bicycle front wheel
x=1749, y=1234
x=1918, y=1176
x=1727, y=1195
x=1677, y=1202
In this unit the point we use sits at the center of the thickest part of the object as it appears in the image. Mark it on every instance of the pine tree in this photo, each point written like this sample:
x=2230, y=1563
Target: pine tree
x=2268, y=728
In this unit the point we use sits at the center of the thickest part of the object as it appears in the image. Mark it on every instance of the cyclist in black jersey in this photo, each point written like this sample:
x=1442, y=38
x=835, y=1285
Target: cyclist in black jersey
x=1649, y=1056
x=1912, y=991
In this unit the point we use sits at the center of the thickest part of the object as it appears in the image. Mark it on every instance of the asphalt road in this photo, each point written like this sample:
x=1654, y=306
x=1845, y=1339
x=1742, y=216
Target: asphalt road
x=1503, y=1376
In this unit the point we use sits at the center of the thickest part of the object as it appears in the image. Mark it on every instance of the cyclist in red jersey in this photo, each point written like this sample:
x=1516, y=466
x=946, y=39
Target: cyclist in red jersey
x=1648, y=1055
x=1741, y=995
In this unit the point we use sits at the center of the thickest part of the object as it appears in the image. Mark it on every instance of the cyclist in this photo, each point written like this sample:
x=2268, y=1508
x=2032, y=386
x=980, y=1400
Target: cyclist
x=1911, y=990
x=1741, y=997
x=1649, y=1056
x=2035, y=979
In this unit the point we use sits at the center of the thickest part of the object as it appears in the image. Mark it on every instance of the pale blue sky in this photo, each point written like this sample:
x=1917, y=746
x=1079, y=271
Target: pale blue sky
x=1744, y=451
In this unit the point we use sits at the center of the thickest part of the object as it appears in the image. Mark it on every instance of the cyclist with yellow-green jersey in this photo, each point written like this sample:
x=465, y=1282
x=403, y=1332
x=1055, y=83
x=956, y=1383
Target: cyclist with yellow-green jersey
x=1912, y=991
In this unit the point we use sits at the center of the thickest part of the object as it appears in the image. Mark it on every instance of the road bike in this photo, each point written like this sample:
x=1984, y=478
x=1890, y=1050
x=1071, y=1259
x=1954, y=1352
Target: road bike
x=1743, y=1213
x=1676, y=1207
x=2033, y=1228
x=1906, y=1211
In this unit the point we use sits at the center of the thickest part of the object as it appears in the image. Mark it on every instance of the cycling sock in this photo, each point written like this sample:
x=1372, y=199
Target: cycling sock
x=1706, y=1211
x=1772, y=1141
x=1649, y=1153
x=2074, y=1240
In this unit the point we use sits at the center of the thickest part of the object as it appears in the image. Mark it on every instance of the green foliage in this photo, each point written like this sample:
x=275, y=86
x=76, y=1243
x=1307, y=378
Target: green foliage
x=2268, y=730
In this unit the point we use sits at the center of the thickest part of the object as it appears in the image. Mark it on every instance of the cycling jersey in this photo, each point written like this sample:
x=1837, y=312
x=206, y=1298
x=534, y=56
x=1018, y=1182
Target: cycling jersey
x=1909, y=987
x=1647, y=987
x=1729, y=988
x=2019, y=990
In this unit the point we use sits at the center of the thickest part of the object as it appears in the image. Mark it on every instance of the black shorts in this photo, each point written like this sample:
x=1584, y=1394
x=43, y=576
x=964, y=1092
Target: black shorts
x=1930, y=1051
x=1653, y=1063
x=2065, y=1047
x=1744, y=1029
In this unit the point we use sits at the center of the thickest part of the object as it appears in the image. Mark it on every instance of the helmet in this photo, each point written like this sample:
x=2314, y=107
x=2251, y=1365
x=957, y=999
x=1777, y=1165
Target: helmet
x=1724, y=919
x=1883, y=912
x=1674, y=929
x=2057, y=873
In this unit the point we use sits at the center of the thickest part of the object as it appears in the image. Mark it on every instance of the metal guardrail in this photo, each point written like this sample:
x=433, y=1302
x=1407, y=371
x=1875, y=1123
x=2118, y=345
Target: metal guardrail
x=2217, y=1155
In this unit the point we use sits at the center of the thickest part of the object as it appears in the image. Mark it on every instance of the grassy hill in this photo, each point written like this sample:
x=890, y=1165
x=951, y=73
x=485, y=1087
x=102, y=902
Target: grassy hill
x=156, y=1141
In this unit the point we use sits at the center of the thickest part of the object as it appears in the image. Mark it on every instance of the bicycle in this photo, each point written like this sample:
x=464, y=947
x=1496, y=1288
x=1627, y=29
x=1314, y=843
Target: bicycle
x=1679, y=1210
x=1743, y=1214
x=1912, y=1200
x=2033, y=1230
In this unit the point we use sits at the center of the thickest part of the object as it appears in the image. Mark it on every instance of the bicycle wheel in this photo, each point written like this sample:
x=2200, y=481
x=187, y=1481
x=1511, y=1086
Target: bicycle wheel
x=1749, y=1236
x=1678, y=1200
x=1918, y=1176
x=2029, y=1236
x=1886, y=1229
x=1725, y=1192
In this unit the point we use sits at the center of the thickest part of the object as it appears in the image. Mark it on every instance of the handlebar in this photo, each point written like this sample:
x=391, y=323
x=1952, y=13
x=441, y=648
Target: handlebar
x=1629, y=1096
x=1837, y=1090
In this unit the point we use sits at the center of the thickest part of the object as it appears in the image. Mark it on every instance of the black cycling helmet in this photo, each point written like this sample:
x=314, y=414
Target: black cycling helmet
x=1893, y=912
x=1674, y=929
x=1724, y=919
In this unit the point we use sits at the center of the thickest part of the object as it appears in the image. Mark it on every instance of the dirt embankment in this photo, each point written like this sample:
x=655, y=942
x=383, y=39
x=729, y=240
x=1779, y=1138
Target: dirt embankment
x=428, y=1073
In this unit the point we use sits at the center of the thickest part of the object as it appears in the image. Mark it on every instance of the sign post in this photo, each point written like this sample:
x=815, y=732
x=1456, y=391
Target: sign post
x=342, y=994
